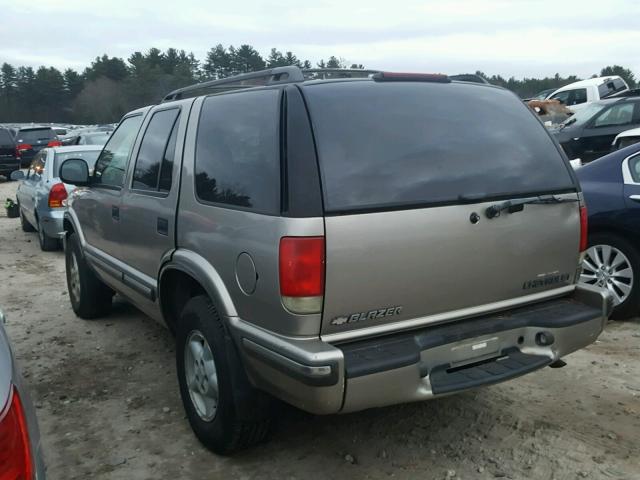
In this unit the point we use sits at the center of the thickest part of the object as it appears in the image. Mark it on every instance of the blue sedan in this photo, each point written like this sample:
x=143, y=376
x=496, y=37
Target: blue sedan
x=611, y=187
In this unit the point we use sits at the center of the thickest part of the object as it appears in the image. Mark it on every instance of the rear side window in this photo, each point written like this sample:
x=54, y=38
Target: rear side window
x=35, y=135
x=112, y=161
x=90, y=156
x=383, y=145
x=237, y=151
x=156, y=151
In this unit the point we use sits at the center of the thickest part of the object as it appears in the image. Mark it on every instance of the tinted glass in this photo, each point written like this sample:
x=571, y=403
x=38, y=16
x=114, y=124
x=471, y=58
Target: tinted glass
x=5, y=137
x=618, y=114
x=89, y=156
x=36, y=134
x=166, y=170
x=237, y=151
x=409, y=143
x=562, y=97
x=634, y=164
x=152, y=149
x=579, y=96
x=112, y=162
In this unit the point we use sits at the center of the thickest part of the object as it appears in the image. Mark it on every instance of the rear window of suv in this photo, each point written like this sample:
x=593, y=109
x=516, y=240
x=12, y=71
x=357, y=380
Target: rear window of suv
x=385, y=145
x=35, y=134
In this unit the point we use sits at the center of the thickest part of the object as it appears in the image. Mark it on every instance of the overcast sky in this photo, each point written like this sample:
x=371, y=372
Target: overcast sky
x=520, y=38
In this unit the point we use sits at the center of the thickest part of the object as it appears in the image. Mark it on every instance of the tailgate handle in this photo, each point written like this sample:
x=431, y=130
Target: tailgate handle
x=115, y=212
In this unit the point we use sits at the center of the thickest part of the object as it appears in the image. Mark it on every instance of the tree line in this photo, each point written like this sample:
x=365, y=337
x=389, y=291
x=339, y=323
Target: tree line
x=112, y=86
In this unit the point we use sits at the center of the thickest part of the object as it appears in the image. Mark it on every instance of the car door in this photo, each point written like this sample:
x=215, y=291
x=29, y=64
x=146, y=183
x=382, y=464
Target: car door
x=27, y=191
x=149, y=200
x=97, y=208
x=598, y=135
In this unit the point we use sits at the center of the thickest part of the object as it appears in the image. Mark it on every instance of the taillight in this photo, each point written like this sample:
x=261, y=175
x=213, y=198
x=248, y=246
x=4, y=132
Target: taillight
x=15, y=451
x=54, y=143
x=583, y=228
x=57, y=195
x=302, y=273
x=22, y=147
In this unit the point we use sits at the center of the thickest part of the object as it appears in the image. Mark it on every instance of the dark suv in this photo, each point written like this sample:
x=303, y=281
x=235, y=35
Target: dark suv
x=30, y=140
x=9, y=161
x=339, y=244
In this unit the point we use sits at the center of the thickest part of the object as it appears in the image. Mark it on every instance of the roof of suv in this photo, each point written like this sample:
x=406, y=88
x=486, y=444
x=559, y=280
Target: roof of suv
x=296, y=75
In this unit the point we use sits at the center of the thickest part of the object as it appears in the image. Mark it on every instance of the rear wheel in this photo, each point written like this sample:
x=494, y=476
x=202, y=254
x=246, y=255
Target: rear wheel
x=24, y=223
x=47, y=244
x=225, y=412
x=613, y=263
x=89, y=296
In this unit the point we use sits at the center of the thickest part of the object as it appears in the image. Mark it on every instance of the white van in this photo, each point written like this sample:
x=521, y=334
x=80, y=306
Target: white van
x=579, y=94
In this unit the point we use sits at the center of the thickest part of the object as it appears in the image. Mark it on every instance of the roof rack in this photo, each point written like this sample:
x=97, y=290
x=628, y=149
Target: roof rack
x=272, y=76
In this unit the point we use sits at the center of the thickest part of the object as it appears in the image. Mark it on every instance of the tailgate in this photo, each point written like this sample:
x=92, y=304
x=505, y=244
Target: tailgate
x=431, y=264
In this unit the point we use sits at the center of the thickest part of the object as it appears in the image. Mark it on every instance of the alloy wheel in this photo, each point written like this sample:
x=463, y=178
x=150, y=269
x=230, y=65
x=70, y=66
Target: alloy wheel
x=201, y=376
x=608, y=267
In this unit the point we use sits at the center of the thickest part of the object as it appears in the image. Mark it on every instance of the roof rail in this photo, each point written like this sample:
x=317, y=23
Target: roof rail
x=270, y=76
x=330, y=73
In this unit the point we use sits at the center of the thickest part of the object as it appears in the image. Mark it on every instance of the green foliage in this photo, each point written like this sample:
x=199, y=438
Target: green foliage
x=111, y=86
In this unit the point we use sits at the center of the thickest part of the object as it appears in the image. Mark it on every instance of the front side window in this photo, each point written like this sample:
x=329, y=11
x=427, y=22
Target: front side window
x=154, y=150
x=579, y=96
x=619, y=114
x=238, y=151
x=112, y=162
x=562, y=97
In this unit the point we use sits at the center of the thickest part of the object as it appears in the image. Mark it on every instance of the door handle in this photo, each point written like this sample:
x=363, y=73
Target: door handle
x=163, y=226
x=115, y=212
x=635, y=198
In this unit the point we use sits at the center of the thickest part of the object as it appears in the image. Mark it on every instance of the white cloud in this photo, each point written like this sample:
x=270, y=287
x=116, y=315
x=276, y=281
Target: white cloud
x=520, y=38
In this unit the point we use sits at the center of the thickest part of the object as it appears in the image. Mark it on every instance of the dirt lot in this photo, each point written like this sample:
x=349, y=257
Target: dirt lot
x=108, y=404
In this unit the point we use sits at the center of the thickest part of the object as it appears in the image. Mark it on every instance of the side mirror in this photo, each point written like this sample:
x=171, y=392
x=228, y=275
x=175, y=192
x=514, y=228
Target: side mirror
x=75, y=171
x=17, y=175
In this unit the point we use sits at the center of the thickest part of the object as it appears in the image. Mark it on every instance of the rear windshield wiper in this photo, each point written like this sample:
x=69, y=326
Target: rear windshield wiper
x=513, y=206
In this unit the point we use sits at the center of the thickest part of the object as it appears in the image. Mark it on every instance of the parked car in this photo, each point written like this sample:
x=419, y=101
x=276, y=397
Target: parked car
x=92, y=138
x=9, y=161
x=578, y=95
x=20, y=448
x=590, y=132
x=30, y=140
x=541, y=95
x=611, y=187
x=41, y=194
x=626, y=138
x=389, y=259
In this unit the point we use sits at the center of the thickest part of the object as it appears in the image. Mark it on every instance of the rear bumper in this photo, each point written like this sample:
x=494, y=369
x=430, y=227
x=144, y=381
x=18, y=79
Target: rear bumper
x=52, y=222
x=410, y=366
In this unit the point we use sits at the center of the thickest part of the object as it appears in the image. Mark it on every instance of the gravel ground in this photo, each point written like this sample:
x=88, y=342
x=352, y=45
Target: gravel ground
x=109, y=408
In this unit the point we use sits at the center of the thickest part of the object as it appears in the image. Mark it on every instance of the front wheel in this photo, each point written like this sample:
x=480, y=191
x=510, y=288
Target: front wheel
x=613, y=263
x=89, y=296
x=225, y=412
x=24, y=223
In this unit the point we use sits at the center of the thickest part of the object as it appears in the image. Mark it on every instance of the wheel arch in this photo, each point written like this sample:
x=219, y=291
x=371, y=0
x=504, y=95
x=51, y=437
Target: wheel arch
x=186, y=275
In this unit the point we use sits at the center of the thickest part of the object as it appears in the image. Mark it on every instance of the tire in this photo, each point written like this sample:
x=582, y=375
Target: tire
x=241, y=415
x=47, y=244
x=90, y=297
x=24, y=223
x=621, y=274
